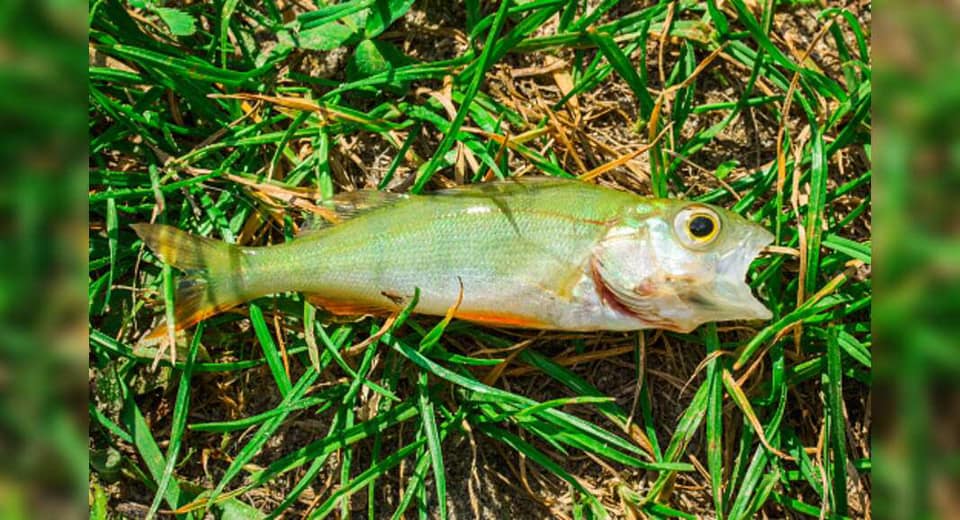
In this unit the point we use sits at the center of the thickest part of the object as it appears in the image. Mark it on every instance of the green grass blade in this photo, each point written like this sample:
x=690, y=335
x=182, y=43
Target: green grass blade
x=621, y=63
x=686, y=428
x=149, y=451
x=484, y=61
x=714, y=419
x=270, y=351
x=815, y=212
x=540, y=458
x=372, y=473
x=178, y=427
x=429, y=428
x=263, y=434
x=836, y=426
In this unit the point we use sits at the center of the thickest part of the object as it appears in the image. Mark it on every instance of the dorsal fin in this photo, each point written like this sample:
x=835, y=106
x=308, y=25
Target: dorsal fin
x=347, y=205
x=505, y=186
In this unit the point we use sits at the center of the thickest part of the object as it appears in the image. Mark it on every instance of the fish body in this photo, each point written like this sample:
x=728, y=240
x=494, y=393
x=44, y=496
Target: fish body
x=535, y=253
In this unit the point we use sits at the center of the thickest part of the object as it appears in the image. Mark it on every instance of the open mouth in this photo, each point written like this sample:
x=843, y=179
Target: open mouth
x=682, y=303
x=732, y=294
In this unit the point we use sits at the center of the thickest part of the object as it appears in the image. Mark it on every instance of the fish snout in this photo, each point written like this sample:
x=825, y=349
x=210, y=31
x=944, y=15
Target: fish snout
x=731, y=289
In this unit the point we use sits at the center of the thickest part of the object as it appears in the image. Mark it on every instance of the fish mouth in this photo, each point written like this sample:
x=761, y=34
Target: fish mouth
x=731, y=291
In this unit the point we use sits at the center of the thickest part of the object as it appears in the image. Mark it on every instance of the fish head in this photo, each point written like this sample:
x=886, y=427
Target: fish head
x=679, y=264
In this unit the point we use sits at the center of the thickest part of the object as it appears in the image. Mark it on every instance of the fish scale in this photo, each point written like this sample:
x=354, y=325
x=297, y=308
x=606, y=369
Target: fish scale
x=461, y=239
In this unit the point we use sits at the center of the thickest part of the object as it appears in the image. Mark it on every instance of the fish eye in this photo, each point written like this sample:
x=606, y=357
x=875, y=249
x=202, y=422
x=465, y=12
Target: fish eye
x=697, y=226
x=701, y=226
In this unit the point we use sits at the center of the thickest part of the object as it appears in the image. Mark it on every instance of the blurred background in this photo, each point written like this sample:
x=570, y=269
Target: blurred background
x=917, y=312
x=43, y=359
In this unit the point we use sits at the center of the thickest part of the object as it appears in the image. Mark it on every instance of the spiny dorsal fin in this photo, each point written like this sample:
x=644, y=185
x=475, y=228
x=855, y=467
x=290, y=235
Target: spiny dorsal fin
x=347, y=205
x=505, y=186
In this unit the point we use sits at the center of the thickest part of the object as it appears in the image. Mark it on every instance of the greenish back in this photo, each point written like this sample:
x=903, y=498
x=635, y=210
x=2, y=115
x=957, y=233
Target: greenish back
x=505, y=235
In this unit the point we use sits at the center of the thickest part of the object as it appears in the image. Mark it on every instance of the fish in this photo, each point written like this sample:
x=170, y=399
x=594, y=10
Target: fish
x=529, y=252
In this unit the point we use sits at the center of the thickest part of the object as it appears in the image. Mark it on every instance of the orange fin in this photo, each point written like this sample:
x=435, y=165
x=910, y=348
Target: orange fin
x=193, y=305
x=346, y=307
x=501, y=319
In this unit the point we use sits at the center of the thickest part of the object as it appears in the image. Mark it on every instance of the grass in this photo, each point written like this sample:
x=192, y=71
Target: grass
x=231, y=120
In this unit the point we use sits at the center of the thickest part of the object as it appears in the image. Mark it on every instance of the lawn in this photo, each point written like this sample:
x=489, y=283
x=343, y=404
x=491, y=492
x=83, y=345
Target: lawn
x=233, y=120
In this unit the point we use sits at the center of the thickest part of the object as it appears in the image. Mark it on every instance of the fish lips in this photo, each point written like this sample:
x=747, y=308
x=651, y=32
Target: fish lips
x=731, y=291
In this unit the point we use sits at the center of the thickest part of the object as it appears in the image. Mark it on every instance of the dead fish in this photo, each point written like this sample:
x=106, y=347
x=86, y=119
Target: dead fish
x=539, y=253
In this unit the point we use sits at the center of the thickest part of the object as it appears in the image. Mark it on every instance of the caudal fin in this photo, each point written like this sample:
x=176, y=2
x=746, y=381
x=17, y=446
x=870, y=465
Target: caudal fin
x=214, y=279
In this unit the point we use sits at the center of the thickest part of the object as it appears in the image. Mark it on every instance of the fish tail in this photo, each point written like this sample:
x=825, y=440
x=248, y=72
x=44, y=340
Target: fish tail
x=215, y=274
